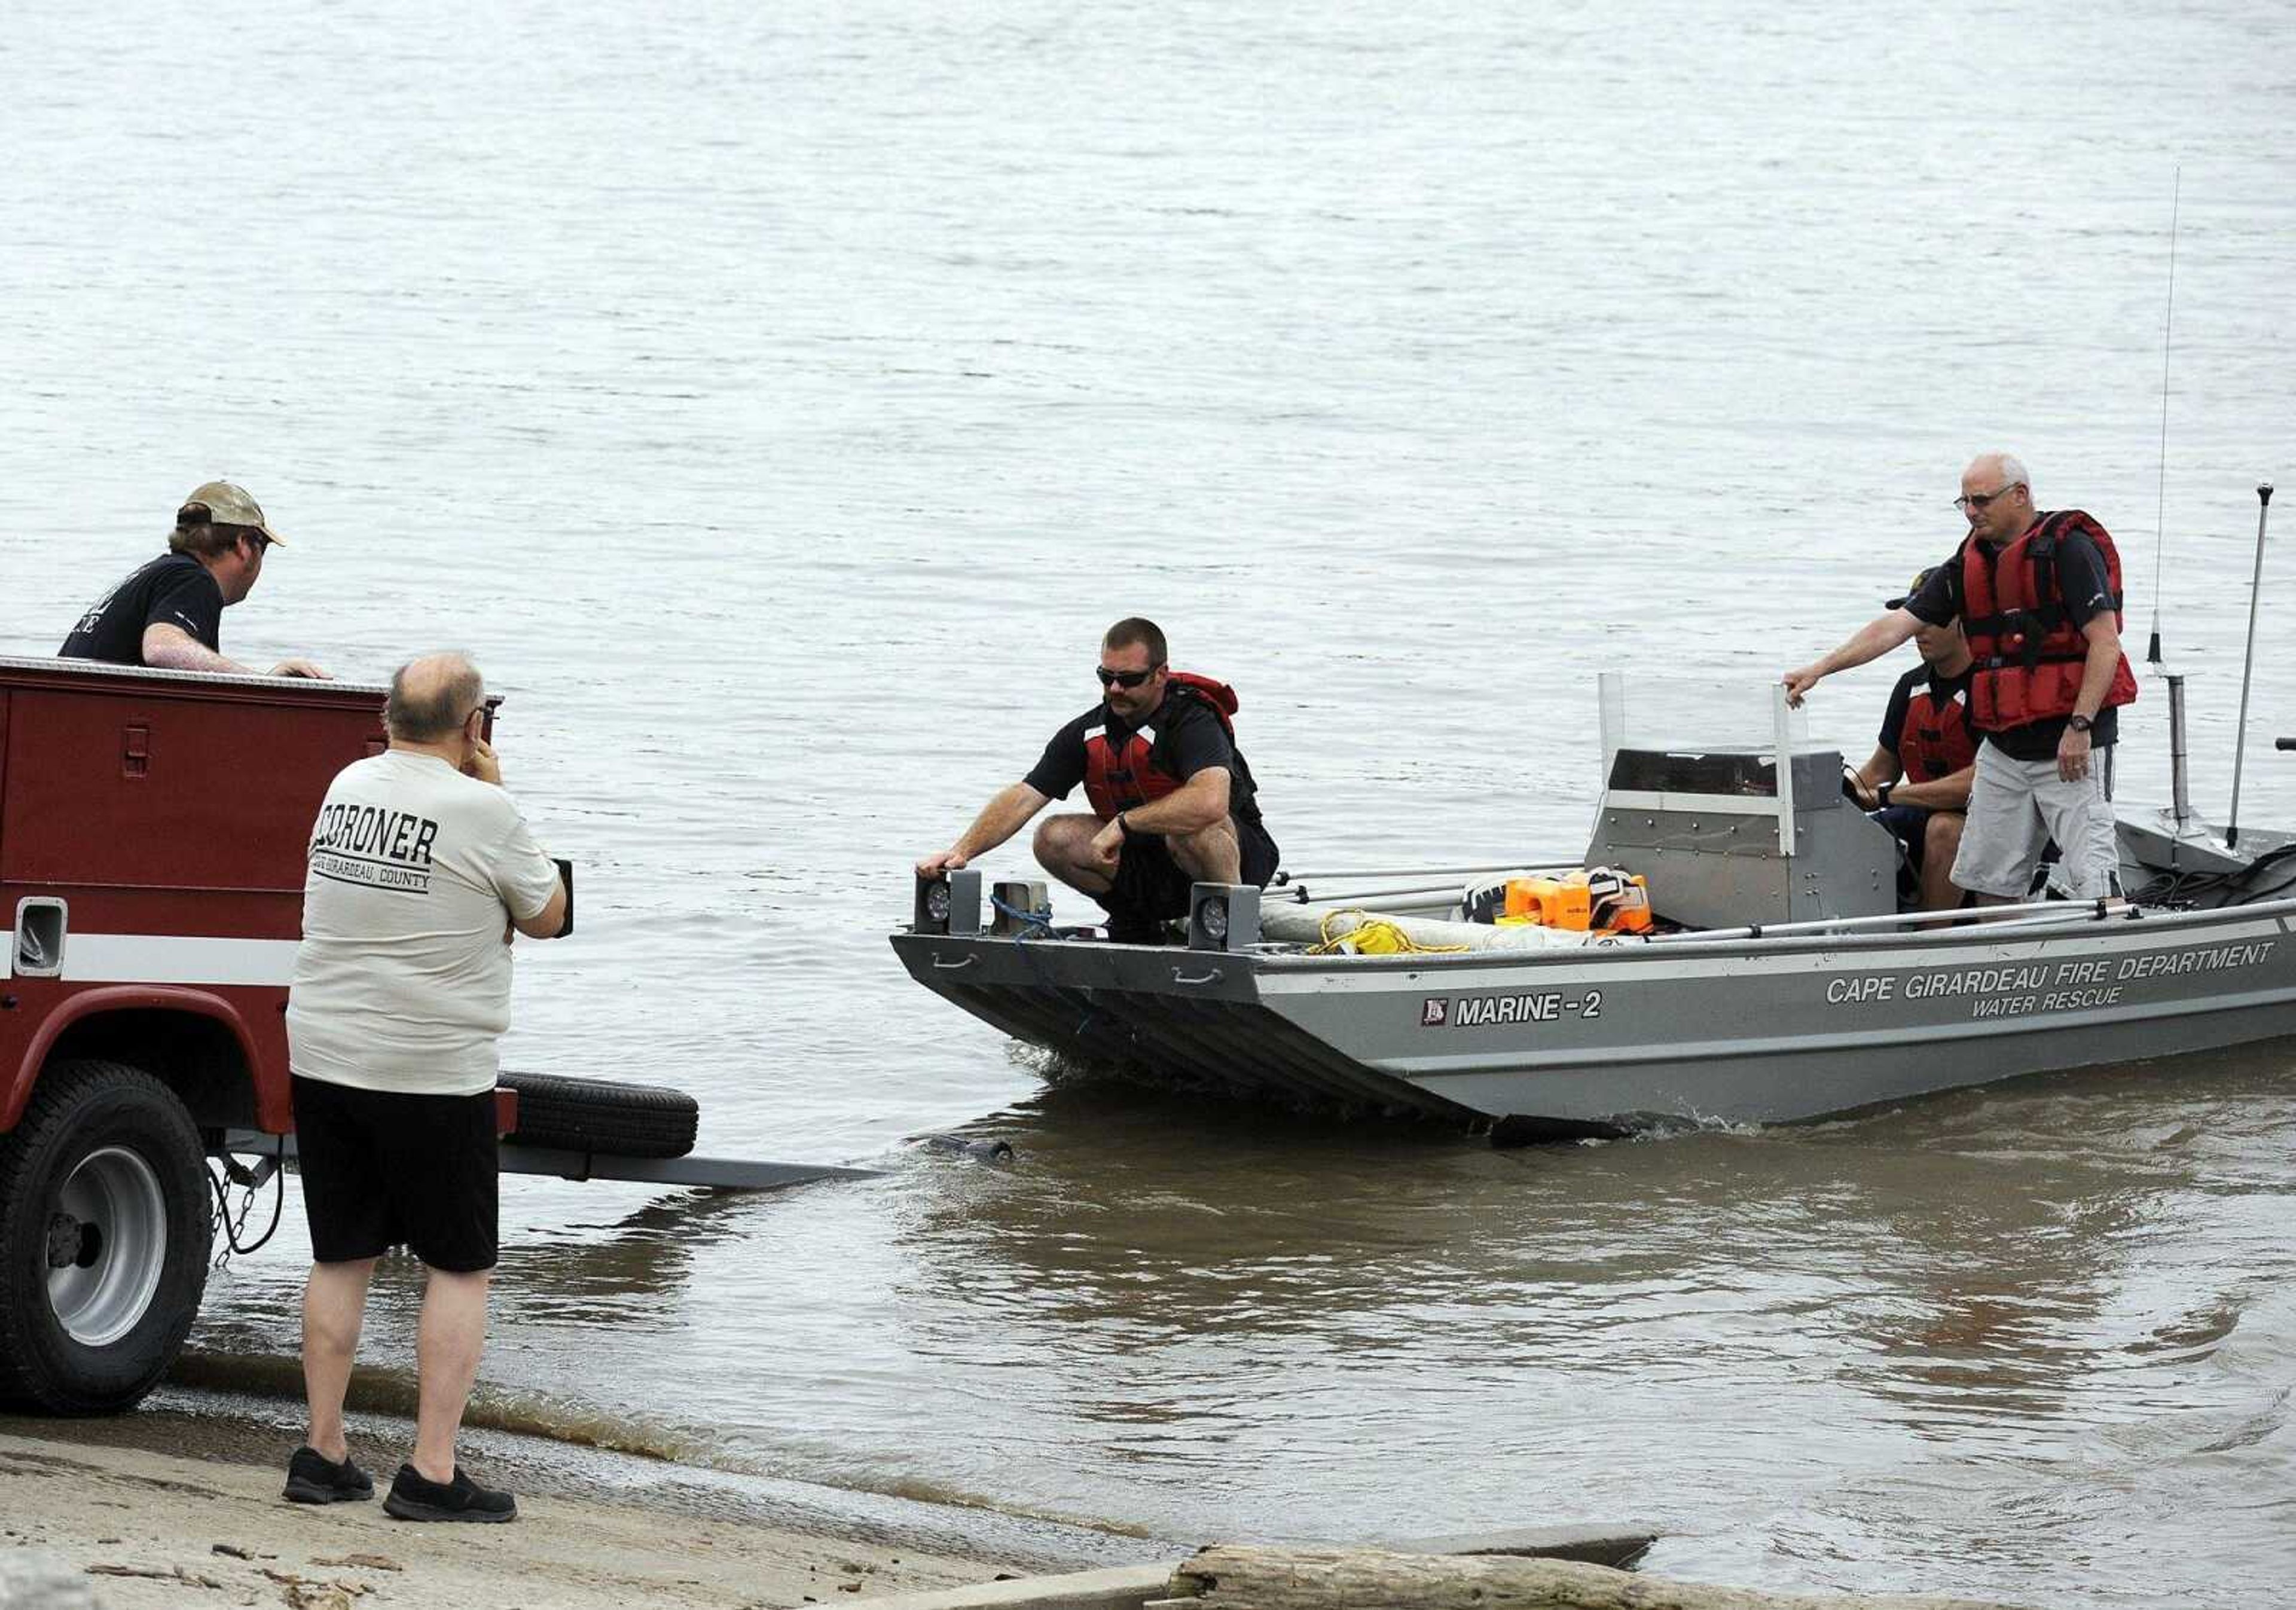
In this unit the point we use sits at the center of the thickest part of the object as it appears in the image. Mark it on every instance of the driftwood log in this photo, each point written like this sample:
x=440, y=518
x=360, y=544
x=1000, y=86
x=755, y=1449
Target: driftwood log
x=1241, y=1578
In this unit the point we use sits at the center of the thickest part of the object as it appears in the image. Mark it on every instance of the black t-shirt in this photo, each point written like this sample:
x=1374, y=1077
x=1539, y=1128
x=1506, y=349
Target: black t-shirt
x=173, y=590
x=1941, y=688
x=2084, y=584
x=1189, y=737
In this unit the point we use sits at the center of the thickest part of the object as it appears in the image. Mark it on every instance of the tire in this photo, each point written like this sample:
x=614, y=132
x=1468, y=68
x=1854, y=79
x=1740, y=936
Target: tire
x=105, y=1221
x=599, y=1117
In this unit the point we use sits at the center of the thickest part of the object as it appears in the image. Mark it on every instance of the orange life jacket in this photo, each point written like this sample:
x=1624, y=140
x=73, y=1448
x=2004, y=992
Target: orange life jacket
x=1935, y=740
x=1118, y=778
x=2029, y=653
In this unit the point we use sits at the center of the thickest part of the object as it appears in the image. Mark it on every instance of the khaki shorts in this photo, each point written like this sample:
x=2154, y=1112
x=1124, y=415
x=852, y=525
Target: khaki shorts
x=2015, y=807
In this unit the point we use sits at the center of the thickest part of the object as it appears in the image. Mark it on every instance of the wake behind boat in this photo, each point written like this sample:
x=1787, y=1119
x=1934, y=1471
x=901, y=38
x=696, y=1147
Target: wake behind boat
x=1779, y=983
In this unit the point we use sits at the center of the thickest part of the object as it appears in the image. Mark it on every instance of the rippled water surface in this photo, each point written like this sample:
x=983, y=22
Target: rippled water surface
x=780, y=400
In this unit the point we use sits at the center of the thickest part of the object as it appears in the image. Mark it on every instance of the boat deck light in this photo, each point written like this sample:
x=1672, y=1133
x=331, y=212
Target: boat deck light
x=947, y=902
x=1223, y=917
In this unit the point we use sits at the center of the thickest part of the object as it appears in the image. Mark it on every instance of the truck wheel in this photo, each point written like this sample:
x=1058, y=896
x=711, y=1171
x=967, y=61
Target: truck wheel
x=105, y=1221
x=600, y=1115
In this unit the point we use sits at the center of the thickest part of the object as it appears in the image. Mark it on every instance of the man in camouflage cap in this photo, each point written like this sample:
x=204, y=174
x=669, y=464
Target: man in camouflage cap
x=1917, y=784
x=169, y=614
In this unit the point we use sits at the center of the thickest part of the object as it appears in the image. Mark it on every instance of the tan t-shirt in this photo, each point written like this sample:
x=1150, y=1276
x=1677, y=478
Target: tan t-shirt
x=402, y=982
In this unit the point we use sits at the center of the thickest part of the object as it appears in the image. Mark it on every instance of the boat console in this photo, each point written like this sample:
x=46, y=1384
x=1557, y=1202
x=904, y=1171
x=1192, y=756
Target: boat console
x=1695, y=801
x=1722, y=843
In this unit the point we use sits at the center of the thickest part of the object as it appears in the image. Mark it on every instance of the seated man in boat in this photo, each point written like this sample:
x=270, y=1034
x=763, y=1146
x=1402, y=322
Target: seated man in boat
x=1172, y=799
x=1916, y=785
x=169, y=615
x=2039, y=600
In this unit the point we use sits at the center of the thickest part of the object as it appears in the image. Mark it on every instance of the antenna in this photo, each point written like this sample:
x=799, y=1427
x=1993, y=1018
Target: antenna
x=2160, y=508
x=2248, y=666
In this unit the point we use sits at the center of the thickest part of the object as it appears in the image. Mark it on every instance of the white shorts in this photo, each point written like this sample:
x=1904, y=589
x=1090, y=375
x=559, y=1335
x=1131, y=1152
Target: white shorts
x=2015, y=807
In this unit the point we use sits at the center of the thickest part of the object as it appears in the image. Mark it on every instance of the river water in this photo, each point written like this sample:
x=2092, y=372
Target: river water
x=779, y=400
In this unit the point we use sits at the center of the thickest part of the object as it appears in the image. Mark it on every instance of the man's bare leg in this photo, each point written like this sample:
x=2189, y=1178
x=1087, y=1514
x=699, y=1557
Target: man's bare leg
x=1063, y=847
x=1210, y=854
x=1941, y=842
x=334, y=1311
x=447, y=1342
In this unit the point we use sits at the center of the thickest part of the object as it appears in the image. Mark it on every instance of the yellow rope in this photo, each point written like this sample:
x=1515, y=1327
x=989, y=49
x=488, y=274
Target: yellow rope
x=1372, y=936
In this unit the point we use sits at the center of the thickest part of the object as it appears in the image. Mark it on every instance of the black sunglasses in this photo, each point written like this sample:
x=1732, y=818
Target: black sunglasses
x=1123, y=679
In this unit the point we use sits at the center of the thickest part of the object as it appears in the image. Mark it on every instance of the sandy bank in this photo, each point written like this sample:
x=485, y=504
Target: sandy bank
x=150, y=1528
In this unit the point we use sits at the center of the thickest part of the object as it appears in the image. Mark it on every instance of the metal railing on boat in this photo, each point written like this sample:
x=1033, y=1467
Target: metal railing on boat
x=1293, y=887
x=1422, y=897
x=1981, y=921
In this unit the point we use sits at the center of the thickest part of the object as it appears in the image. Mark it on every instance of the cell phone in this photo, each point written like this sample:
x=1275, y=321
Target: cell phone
x=566, y=876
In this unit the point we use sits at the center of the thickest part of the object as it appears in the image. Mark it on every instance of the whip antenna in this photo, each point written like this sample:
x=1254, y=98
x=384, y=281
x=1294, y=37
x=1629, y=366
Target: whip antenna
x=2160, y=508
x=2248, y=666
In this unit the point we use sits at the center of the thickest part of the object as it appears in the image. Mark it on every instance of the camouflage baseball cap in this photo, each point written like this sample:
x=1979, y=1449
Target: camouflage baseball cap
x=1920, y=581
x=226, y=504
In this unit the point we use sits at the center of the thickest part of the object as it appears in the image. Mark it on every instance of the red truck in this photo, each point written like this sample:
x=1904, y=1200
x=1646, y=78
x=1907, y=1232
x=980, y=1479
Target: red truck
x=152, y=827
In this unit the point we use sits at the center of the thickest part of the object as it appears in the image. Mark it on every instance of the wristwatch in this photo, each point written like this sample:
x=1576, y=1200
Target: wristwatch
x=2079, y=723
x=1881, y=796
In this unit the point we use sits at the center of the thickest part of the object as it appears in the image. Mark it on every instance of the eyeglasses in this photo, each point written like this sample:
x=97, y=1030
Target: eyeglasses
x=1123, y=679
x=1978, y=500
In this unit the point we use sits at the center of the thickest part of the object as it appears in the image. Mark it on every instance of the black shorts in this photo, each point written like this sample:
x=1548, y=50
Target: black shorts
x=383, y=1169
x=1909, y=825
x=1151, y=886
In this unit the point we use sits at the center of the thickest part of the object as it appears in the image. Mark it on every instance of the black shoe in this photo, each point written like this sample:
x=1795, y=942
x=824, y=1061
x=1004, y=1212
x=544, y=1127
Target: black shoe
x=413, y=1497
x=313, y=1478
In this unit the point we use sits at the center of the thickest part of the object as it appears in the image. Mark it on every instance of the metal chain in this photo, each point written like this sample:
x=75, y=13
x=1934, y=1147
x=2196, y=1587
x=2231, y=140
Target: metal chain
x=226, y=1226
x=223, y=1225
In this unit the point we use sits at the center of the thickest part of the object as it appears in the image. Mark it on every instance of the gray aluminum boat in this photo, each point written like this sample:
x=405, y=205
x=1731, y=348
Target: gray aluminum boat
x=1786, y=986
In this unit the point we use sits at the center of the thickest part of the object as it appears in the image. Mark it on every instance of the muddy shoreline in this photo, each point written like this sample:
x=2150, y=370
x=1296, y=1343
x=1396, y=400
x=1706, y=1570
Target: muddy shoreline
x=179, y=1503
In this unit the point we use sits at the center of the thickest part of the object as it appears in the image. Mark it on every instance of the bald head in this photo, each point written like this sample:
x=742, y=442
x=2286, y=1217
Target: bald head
x=431, y=697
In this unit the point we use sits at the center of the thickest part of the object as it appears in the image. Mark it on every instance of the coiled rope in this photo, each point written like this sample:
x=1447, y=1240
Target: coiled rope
x=1373, y=936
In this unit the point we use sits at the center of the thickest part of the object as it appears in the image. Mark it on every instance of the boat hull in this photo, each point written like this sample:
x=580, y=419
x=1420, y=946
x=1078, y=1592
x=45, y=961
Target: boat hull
x=1621, y=1038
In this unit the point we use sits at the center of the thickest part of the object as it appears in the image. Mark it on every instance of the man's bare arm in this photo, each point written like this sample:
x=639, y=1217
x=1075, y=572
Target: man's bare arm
x=2103, y=658
x=1189, y=808
x=1946, y=793
x=1871, y=641
x=546, y=923
x=169, y=648
x=2102, y=633
x=1002, y=817
x=1884, y=767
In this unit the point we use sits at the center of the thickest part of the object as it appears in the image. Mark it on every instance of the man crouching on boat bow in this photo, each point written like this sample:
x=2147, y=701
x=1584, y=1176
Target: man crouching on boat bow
x=1172, y=799
x=2039, y=601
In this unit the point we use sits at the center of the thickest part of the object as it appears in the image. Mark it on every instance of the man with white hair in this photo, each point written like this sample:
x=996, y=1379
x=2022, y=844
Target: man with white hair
x=2040, y=599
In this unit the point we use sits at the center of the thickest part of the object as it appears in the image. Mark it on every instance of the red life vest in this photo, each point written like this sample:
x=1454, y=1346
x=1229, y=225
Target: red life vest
x=2029, y=653
x=1117, y=778
x=1935, y=740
